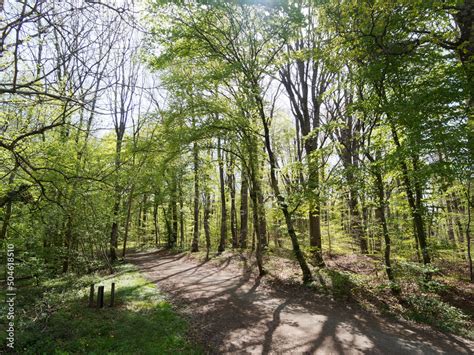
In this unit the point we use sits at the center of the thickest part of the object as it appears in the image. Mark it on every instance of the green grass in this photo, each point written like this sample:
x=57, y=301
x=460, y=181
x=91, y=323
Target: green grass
x=54, y=318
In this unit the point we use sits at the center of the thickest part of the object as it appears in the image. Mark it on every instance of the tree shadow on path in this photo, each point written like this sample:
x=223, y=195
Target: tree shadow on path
x=232, y=311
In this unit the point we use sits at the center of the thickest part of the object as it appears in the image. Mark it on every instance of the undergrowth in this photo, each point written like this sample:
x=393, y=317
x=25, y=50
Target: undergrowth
x=54, y=318
x=419, y=299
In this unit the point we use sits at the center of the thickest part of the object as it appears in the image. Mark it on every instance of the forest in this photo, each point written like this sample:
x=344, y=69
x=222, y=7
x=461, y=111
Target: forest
x=253, y=176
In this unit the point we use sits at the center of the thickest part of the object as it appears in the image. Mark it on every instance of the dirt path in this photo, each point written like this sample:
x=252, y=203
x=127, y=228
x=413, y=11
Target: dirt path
x=234, y=313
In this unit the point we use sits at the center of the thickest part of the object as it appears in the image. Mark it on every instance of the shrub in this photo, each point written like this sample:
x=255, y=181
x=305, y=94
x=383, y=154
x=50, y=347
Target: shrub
x=430, y=310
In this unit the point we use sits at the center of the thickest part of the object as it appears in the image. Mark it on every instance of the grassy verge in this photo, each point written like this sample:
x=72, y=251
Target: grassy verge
x=53, y=318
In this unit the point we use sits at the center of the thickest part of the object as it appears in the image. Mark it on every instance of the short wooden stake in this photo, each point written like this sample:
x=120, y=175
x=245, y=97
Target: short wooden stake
x=100, y=297
x=112, y=294
x=91, y=296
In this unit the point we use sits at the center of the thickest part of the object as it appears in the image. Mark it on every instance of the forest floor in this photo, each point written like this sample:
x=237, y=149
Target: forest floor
x=53, y=317
x=231, y=310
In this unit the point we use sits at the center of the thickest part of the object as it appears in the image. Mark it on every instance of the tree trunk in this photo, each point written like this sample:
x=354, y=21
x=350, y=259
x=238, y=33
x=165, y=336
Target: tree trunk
x=127, y=220
x=172, y=221
x=144, y=214
x=195, y=242
x=315, y=241
x=309, y=123
x=233, y=210
x=8, y=210
x=449, y=223
x=244, y=210
x=357, y=229
x=207, y=229
x=464, y=19
x=116, y=208
x=468, y=242
x=350, y=158
x=114, y=230
x=262, y=219
x=307, y=276
x=468, y=231
x=181, y=219
x=380, y=213
x=174, y=225
x=223, y=234
x=156, y=227
x=258, y=236
x=459, y=210
x=414, y=204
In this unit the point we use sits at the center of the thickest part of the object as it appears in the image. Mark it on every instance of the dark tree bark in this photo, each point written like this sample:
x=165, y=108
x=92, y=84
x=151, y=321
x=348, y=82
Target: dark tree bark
x=305, y=84
x=19, y=194
x=262, y=219
x=233, y=209
x=223, y=233
x=6, y=220
x=172, y=219
x=195, y=242
x=349, y=153
x=383, y=222
x=449, y=222
x=464, y=18
x=459, y=210
x=306, y=81
x=414, y=202
x=468, y=244
x=244, y=209
x=470, y=205
x=143, y=225
x=120, y=121
x=382, y=219
x=114, y=229
x=127, y=220
x=123, y=98
x=169, y=231
x=139, y=222
x=307, y=276
x=206, y=217
x=156, y=226
x=258, y=235
x=8, y=209
x=174, y=225
x=181, y=218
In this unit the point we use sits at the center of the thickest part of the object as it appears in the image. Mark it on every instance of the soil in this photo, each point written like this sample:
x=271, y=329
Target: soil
x=232, y=311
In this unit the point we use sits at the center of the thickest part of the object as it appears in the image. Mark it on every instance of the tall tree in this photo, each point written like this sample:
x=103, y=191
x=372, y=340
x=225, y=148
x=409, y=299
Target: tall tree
x=195, y=242
x=306, y=78
x=244, y=209
x=223, y=233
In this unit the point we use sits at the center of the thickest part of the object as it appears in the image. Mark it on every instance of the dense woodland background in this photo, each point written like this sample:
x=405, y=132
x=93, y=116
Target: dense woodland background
x=308, y=130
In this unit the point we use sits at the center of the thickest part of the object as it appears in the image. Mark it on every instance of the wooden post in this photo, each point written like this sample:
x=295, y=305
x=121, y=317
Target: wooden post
x=100, y=297
x=112, y=294
x=91, y=296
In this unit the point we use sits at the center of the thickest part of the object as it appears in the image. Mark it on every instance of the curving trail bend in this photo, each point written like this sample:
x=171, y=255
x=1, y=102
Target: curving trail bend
x=232, y=312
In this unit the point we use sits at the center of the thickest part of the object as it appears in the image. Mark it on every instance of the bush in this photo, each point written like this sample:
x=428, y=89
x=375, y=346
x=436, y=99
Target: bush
x=410, y=269
x=430, y=310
